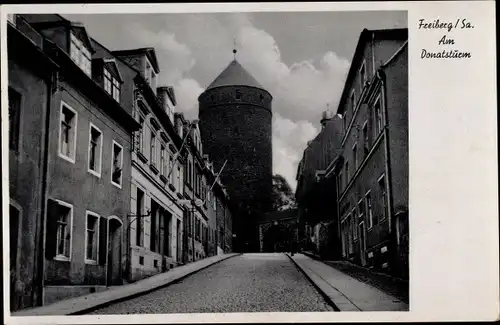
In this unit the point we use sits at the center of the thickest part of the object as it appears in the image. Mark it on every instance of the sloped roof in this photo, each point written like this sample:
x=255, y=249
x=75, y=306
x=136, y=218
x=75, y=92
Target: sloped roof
x=234, y=75
x=149, y=51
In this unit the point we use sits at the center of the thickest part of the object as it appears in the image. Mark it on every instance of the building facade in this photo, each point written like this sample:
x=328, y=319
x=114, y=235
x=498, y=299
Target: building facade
x=155, y=221
x=236, y=127
x=88, y=152
x=372, y=172
x=31, y=83
x=107, y=183
x=316, y=194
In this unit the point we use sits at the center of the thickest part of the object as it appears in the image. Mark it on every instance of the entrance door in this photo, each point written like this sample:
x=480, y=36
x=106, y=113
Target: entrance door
x=179, y=242
x=362, y=243
x=114, y=252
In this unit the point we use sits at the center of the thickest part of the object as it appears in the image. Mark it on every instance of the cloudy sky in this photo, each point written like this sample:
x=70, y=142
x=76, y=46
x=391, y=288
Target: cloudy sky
x=300, y=58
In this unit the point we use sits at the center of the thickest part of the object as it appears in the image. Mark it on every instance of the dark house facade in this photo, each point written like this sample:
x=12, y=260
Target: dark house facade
x=31, y=77
x=316, y=194
x=88, y=159
x=372, y=171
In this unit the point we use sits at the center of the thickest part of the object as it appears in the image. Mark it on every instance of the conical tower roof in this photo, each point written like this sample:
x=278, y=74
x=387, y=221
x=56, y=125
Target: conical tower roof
x=234, y=75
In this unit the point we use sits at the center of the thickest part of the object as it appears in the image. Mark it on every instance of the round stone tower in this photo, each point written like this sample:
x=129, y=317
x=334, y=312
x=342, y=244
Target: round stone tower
x=236, y=125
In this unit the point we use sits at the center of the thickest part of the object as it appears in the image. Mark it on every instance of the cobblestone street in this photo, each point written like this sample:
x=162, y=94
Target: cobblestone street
x=246, y=283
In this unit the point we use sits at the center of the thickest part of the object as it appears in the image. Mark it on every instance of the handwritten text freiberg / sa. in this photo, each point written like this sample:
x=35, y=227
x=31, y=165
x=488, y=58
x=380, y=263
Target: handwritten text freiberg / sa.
x=460, y=23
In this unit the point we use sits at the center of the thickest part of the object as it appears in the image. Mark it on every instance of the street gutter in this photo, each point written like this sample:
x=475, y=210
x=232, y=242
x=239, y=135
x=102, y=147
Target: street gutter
x=315, y=285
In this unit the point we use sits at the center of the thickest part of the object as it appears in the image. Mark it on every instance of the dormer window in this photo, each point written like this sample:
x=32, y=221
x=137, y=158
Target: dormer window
x=111, y=85
x=80, y=55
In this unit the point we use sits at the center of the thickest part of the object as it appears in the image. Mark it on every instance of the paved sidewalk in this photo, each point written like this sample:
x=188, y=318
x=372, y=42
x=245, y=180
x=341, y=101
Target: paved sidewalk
x=389, y=284
x=82, y=304
x=345, y=292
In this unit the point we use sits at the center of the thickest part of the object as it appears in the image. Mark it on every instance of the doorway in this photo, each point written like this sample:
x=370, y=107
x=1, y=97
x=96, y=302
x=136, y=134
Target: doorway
x=179, y=242
x=114, y=276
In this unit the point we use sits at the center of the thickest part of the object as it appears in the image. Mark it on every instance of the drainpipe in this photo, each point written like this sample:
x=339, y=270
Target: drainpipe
x=39, y=265
x=388, y=185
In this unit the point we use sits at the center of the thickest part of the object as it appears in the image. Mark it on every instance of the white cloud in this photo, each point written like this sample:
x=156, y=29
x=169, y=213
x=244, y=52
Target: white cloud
x=187, y=91
x=301, y=91
x=289, y=140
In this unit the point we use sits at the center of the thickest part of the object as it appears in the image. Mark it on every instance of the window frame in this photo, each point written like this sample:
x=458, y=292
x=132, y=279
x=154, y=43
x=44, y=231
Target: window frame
x=366, y=139
x=97, y=172
x=115, y=89
x=369, y=208
x=108, y=78
x=82, y=52
x=97, y=235
x=379, y=116
x=354, y=216
x=383, y=196
x=362, y=77
x=163, y=163
x=18, y=118
x=69, y=227
x=355, y=155
x=75, y=129
x=113, y=143
x=152, y=147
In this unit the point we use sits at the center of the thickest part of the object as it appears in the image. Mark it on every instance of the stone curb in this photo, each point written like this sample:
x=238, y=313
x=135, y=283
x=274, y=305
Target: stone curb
x=91, y=302
x=335, y=298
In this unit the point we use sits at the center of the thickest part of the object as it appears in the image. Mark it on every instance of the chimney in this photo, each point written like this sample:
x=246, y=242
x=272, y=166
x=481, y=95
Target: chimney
x=326, y=116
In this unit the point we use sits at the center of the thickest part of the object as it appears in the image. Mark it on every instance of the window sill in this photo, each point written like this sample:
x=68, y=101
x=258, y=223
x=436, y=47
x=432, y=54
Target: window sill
x=90, y=262
x=93, y=172
x=61, y=258
x=142, y=157
x=67, y=158
x=154, y=169
x=163, y=179
x=117, y=185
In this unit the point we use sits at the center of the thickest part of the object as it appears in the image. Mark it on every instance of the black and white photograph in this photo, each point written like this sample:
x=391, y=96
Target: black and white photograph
x=207, y=162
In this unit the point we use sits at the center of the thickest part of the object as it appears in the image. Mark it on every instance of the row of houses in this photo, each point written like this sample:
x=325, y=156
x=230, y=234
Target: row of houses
x=352, y=190
x=108, y=183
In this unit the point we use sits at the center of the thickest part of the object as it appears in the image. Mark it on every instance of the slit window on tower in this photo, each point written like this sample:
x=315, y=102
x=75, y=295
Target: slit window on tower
x=238, y=94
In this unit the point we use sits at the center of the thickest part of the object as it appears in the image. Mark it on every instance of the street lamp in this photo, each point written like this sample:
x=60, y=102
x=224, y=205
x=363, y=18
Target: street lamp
x=191, y=125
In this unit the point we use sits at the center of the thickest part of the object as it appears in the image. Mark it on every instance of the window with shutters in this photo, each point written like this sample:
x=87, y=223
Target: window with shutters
x=14, y=118
x=91, y=238
x=95, y=150
x=117, y=166
x=67, y=132
x=59, y=233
